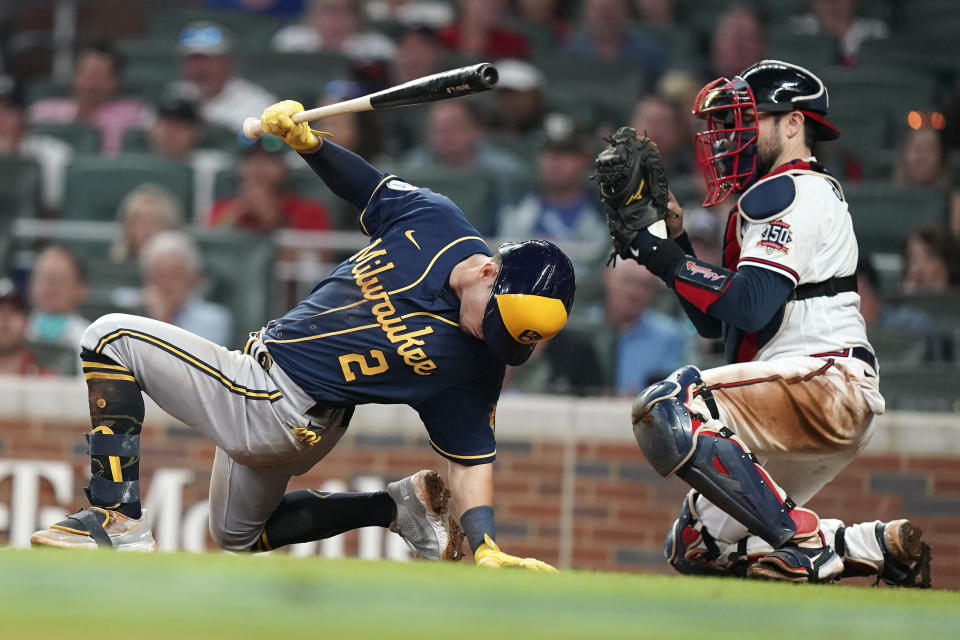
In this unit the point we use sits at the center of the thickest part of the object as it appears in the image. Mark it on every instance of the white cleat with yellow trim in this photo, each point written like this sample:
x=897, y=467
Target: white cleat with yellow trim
x=97, y=527
x=423, y=520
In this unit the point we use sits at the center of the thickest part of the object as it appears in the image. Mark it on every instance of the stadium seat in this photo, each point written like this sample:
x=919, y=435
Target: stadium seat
x=19, y=188
x=813, y=52
x=472, y=192
x=896, y=347
x=96, y=185
x=213, y=137
x=83, y=138
x=282, y=73
x=571, y=79
x=943, y=308
x=239, y=270
x=890, y=90
x=883, y=214
x=254, y=31
x=59, y=359
x=921, y=388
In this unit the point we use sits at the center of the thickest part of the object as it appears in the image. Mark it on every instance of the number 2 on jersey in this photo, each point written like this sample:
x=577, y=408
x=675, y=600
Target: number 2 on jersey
x=366, y=368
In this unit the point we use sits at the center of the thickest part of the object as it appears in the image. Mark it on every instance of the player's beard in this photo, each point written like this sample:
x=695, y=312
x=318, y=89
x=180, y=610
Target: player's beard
x=769, y=149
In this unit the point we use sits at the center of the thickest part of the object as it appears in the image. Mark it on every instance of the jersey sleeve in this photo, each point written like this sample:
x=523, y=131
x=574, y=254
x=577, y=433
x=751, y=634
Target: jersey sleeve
x=461, y=420
x=786, y=244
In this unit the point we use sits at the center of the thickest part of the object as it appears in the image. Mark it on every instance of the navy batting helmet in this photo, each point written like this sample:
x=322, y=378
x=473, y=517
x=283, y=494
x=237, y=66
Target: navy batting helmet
x=531, y=298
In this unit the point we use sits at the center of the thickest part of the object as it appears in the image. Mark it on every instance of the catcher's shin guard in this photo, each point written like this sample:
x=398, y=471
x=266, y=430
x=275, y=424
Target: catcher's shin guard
x=711, y=460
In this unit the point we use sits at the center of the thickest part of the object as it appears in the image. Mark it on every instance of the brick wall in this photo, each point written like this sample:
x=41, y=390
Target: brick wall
x=588, y=502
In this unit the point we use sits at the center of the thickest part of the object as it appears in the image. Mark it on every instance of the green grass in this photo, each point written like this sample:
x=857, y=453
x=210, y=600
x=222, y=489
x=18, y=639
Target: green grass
x=105, y=595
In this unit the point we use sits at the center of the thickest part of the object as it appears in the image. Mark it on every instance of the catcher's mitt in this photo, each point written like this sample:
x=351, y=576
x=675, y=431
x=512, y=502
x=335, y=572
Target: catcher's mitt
x=633, y=186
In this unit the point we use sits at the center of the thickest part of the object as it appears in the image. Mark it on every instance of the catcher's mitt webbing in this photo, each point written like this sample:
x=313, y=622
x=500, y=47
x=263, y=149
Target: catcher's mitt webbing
x=632, y=184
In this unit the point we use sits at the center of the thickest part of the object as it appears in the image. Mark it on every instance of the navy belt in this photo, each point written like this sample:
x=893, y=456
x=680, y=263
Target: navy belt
x=860, y=353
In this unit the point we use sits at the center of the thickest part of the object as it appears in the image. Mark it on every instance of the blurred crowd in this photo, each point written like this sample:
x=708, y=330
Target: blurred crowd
x=144, y=134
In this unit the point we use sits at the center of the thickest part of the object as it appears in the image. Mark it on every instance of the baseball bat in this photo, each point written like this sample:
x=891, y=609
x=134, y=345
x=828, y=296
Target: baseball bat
x=440, y=86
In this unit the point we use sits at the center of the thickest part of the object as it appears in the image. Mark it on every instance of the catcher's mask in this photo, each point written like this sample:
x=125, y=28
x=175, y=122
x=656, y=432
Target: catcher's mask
x=531, y=298
x=727, y=148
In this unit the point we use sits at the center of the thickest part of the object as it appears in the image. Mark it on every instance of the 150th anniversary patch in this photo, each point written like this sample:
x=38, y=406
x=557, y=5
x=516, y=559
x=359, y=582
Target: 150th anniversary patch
x=776, y=237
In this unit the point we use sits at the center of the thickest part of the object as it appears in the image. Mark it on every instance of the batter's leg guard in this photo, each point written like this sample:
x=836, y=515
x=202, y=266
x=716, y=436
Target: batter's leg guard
x=116, y=414
x=710, y=459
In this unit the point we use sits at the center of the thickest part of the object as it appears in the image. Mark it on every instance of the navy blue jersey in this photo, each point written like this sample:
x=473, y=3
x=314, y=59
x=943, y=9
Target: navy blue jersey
x=384, y=326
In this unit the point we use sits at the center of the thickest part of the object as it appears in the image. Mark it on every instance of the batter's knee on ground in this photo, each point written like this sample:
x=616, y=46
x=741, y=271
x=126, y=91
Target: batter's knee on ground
x=232, y=537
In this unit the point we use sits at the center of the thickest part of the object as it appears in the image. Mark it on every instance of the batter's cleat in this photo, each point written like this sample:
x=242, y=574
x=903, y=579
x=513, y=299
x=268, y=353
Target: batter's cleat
x=791, y=563
x=906, y=558
x=97, y=527
x=423, y=520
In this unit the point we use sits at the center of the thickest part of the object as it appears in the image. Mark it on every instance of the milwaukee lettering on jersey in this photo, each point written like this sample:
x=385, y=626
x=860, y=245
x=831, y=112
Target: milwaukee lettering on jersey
x=368, y=264
x=697, y=269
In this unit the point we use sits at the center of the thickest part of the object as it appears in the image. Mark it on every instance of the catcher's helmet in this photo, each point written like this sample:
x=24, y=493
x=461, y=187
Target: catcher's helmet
x=531, y=298
x=727, y=148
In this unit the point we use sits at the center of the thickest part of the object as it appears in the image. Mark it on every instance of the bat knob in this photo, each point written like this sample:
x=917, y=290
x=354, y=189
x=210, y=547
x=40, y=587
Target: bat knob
x=252, y=128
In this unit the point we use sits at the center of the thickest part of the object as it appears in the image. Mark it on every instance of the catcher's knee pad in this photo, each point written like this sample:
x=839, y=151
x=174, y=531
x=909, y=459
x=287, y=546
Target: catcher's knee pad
x=711, y=460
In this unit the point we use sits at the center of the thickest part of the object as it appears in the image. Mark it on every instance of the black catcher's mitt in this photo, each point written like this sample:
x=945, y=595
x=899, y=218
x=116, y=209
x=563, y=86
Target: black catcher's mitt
x=633, y=186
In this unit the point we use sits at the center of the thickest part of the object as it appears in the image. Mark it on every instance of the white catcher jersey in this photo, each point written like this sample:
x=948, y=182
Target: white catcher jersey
x=810, y=240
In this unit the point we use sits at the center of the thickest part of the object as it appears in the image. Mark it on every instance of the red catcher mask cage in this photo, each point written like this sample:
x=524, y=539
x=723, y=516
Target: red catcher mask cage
x=727, y=148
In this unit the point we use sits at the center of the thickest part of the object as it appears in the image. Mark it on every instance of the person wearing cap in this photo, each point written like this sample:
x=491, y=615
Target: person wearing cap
x=175, y=134
x=93, y=99
x=206, y=54
x=425, y=315
x=759, y=437
x=16, y=140
x=16, y=358
x=564, y=207
x=263, y=200
x=519, y=100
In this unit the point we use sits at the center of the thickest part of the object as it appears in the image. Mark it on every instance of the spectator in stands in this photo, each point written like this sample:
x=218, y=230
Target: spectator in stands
x=93, y=99
x=606, y=34
x=837, y=19
x=58, y=286
x=924, y=162
x=480, y=32
x=281, y=10
x=264, y=201
x=206, y=54
x=564, y=207
x=335, y=26
x=16, y=358
x=931, y=260
x=172, y=272
x=51, y=154
x=519, y=101
x=455, y=141
x=144, y=212
x=660, y=13
x=739, y=40
x=651, y=344
x=175, y=134
x=418, y=54
x=549, y=15
x=358, y=132
x=664, y=123
x=426, y=13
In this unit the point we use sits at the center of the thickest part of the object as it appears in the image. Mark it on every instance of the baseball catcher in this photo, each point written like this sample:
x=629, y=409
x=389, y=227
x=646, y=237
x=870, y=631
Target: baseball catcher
x=756, y=439
x=424, y=315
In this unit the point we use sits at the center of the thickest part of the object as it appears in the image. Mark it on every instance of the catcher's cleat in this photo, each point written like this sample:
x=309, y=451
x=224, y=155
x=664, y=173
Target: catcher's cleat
x=906, y=558
x=798, y=564
x=97, y=527
x=423, y=520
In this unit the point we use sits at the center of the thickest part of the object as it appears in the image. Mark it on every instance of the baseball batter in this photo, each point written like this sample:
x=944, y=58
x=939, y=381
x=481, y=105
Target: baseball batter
x=424, y=315
x=801, y=389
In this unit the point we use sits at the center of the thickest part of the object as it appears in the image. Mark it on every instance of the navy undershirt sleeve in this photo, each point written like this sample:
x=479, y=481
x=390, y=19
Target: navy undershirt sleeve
x=751, y=299
x=345, y=173
x=706, y=325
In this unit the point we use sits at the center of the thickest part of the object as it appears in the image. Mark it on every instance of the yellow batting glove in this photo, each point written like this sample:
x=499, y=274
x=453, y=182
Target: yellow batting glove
x=489, y=555
x=277, y=119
